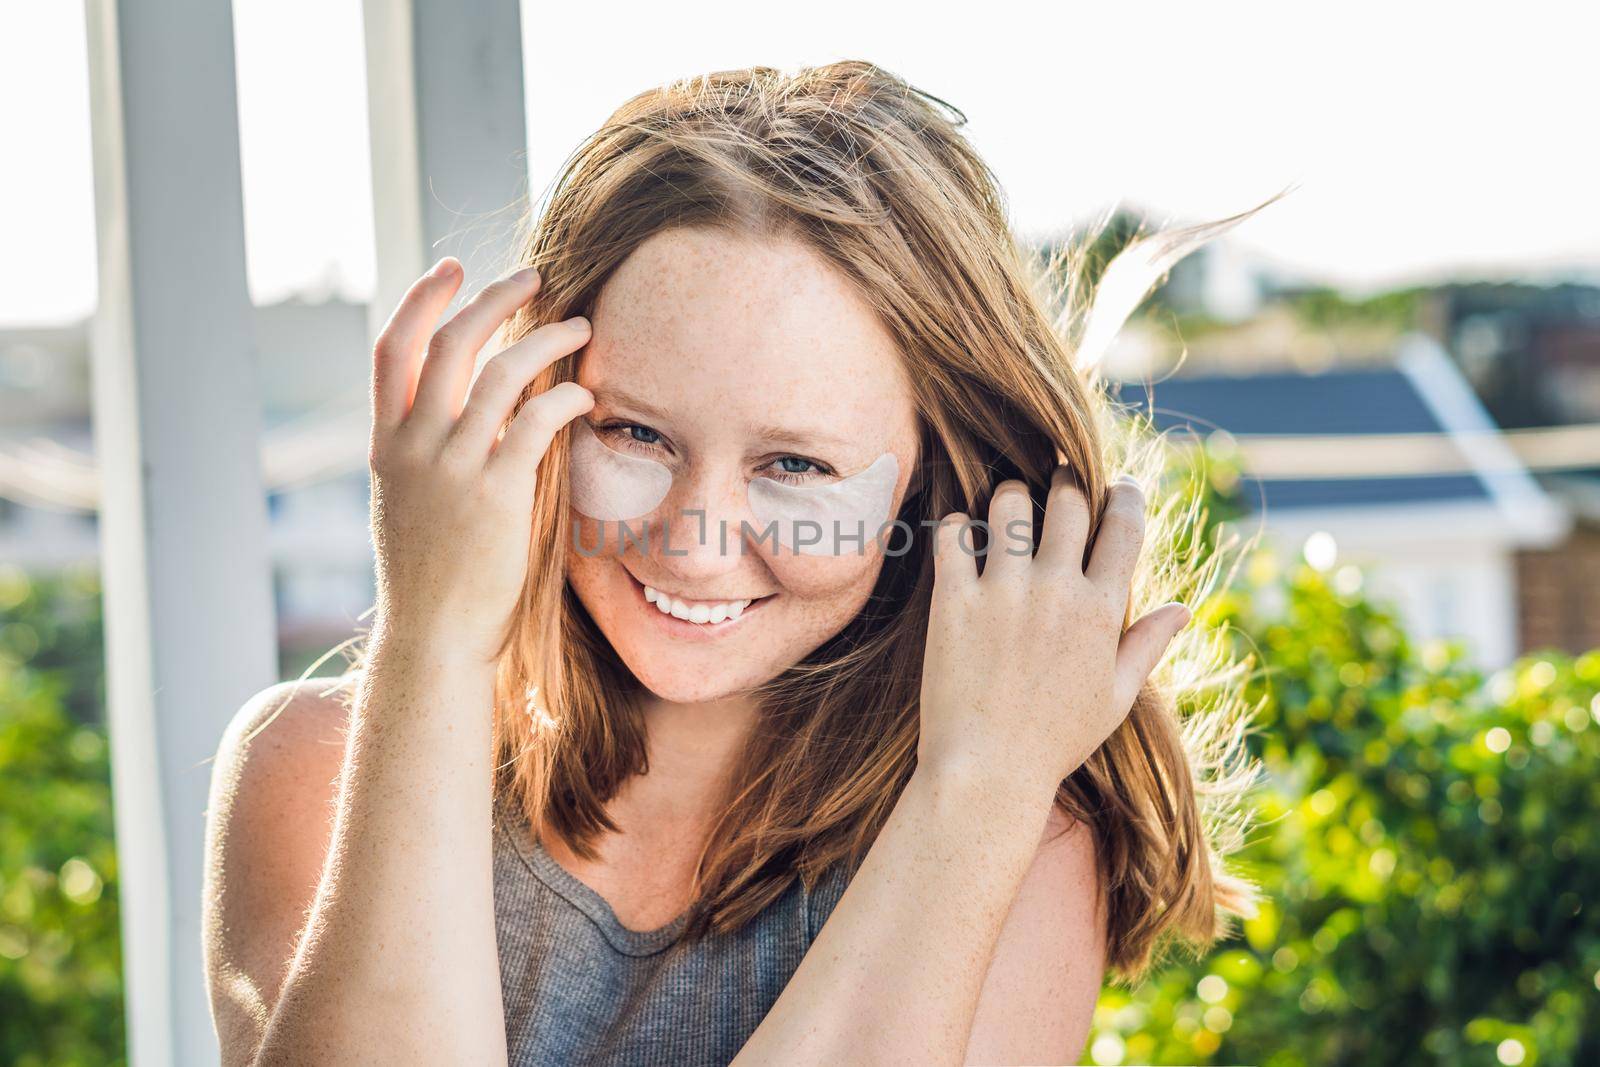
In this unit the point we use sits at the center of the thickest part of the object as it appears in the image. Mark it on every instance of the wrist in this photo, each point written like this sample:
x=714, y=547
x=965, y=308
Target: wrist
x=959, y=784
x=410, y=679
x=412, y=667
x=430, y=638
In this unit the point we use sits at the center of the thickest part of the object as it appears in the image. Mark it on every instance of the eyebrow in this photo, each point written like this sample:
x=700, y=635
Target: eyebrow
x=615, y=397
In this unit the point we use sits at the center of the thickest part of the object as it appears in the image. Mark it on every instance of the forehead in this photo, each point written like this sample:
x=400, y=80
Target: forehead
x=708, y=322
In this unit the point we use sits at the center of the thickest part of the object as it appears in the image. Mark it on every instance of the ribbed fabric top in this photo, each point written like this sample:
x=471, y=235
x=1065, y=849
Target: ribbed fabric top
x=581, y=988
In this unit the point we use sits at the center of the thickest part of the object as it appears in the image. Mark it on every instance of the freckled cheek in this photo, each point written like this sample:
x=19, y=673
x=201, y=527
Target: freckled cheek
x=593, y=567
x=589, y=540
x=825, y=580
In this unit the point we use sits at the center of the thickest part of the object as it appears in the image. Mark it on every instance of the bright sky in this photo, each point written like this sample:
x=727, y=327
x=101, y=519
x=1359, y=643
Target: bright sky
x=1427, y=139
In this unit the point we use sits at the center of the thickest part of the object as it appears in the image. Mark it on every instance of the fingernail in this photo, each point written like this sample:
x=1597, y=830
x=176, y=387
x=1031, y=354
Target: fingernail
x=578, y=322
x=442, y=268
x=1186, y=615
x=525, y=276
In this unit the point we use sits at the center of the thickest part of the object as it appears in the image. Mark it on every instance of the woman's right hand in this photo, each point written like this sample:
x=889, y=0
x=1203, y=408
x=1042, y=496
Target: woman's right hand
x=452, y=504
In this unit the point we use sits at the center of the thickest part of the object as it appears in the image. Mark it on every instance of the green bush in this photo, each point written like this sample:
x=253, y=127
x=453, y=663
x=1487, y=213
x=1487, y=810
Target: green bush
x=1426, y=846
x=60, y=951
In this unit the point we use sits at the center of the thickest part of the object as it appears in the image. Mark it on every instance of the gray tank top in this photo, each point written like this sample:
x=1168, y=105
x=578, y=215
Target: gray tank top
x=581, y=988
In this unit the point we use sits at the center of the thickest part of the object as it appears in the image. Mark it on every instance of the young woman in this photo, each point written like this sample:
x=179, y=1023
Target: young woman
x=635, y=768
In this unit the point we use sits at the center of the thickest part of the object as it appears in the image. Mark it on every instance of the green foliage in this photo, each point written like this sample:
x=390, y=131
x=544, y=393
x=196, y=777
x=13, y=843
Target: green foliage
x=1325, y=309
x=1426, y=848
x=60, y=951
x=51, y=625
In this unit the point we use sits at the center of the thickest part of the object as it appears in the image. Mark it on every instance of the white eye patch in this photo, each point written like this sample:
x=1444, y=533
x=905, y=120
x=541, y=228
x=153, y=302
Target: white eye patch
x=824, y=520
x=827, y=520
x=609, y=485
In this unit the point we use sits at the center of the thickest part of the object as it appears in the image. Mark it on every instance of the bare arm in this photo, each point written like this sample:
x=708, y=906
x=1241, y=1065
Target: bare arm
x=277, y=980
x=1040, y=992
x=274, y=787
x=1028, y=671
x=399, y=954
x=397, y=960
x=895, y=974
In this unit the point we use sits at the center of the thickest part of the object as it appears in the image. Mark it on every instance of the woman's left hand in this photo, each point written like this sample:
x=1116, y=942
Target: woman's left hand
x=1028, y=669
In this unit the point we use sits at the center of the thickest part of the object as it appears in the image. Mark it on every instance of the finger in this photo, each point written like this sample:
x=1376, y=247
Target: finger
x=398, y=351
x=1066, y=522
x=954, y=563
x=1141, y=648
x=1119, y=539
x=503, y=379
x=1010, y=529
x=528, y=437
x=454, y=348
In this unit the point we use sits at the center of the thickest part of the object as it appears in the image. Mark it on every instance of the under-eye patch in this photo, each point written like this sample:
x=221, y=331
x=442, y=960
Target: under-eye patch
x=815, y=520
x=609, y=485
x=835, y=519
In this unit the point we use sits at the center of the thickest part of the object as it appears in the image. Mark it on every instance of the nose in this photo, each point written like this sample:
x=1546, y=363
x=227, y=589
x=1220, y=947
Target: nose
x=703, y=526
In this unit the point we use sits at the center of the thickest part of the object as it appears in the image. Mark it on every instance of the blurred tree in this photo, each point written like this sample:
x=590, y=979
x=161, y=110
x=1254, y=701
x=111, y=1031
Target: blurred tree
x=51, y=625
x=1324, y=308
x=60, y=949
x=1426, y=848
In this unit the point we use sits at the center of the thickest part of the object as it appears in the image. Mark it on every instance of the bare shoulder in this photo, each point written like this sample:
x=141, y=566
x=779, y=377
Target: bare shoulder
x=289, y=731
x=276, y=777
x=274, y=792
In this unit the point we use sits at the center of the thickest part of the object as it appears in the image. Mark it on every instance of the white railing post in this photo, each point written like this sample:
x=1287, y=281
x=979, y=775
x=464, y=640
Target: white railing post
x=449, y=139
x=190, y=632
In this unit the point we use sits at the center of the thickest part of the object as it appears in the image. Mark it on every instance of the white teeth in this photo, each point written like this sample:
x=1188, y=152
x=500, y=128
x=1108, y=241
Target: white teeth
x=700, y=613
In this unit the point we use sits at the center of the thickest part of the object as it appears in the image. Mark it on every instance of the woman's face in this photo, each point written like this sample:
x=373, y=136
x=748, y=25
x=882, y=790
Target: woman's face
x=727, y=361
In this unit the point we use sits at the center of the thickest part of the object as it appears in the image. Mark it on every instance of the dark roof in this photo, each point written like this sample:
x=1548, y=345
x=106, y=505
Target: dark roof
x=1344, y=401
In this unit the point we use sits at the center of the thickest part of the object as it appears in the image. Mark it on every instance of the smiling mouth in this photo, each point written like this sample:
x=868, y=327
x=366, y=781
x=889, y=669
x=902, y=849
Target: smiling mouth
x=694, y=617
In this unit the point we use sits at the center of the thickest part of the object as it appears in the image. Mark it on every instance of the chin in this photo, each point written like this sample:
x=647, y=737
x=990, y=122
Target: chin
x=679, y=687
x=687, y=672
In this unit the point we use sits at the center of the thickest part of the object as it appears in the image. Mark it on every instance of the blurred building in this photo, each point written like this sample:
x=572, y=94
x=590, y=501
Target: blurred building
x=312, y=360
x=1558, y=586
x=1443, y=546
x=1218, y=281
x=1532, y=352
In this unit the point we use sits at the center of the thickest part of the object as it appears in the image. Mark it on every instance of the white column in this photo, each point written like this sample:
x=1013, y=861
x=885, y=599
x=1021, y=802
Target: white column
x=449, y=140
x=188, y=594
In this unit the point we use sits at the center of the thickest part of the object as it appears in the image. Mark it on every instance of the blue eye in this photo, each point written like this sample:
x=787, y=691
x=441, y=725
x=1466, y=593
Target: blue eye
x=791, y=470
x=635, y=430
x=798, y=477
x=630, y=435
